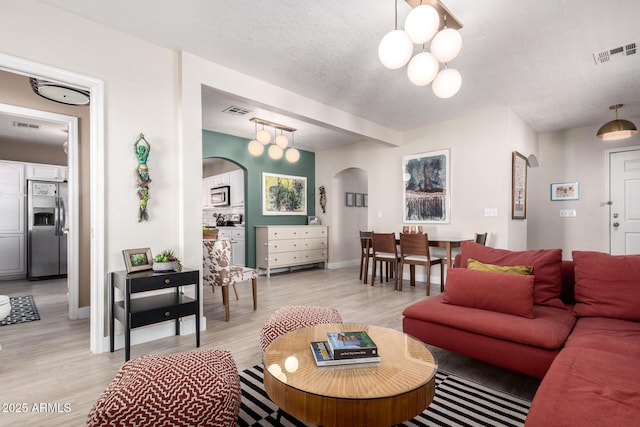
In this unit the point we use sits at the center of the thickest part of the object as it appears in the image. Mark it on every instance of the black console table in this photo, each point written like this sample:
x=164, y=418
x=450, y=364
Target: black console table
x=146, y=310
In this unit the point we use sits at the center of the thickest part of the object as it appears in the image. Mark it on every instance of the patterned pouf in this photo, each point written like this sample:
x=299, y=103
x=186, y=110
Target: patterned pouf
x=199, y=388
x=290, y=318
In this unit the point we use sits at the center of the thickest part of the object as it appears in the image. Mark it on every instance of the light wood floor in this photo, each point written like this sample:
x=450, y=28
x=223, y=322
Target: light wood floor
x=48, y=361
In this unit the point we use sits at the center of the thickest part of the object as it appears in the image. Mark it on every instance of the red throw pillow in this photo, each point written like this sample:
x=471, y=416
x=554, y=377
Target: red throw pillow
x=547, y=268
x=502, y=292
x=607, y=285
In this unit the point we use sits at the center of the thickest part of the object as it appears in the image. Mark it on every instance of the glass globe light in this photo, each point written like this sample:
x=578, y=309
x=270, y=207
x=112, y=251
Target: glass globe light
x=447, y=83
x=446, y=45
x=282, y=141
x=292, y=155
x=255, y=148
x=275, y=152
x=423, y=69
x=395, y=49
x=422, y=23
x=263, y=136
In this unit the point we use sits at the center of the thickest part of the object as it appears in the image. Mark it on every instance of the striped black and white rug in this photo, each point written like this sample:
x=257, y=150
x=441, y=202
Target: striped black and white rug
x=23, y=309
x=458, y=402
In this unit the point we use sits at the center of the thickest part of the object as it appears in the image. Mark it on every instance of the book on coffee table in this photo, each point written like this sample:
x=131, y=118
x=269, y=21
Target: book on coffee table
x=322, y=356
x=350, y=345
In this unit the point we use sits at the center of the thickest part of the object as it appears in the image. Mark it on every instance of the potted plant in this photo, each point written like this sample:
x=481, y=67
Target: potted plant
x=166, y=261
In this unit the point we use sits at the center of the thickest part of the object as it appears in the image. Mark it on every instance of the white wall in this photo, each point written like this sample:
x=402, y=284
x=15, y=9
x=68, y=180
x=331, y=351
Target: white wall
x=141, y=93
x=480, y=153
x=567, y=156
x=345, y=236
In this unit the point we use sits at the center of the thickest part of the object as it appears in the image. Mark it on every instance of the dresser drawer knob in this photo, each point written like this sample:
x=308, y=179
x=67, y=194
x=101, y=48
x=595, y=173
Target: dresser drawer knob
x=167, y=281
x=167, y=314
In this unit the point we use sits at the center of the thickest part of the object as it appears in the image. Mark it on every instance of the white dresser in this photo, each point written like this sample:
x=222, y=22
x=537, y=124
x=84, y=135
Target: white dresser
x=290, y=245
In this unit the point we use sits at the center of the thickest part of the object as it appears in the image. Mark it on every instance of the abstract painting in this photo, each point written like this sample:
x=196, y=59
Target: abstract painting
x=426, y=194
x=284, y=194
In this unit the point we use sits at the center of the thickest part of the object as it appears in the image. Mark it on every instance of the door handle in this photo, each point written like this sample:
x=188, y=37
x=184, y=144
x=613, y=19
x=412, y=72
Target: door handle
x=65, y=230
x=616, y=224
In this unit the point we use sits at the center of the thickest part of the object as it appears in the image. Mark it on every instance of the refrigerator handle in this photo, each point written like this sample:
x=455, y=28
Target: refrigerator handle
x=62, y=217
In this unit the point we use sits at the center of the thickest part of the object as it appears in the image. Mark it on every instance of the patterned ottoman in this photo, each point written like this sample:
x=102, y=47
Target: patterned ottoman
x=199, y=388
x=290, y=318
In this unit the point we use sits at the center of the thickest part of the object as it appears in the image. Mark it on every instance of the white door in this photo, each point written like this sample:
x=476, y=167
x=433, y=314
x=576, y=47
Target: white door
x=624, y=223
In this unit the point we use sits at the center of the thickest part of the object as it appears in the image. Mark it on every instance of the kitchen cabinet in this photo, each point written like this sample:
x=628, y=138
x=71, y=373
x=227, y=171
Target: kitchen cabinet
x=222, y=179
x=236, y=182
x=12, y=219
x=238, y=243
x=47, y=172
x=147, y=310
x=207, y=183
x=290, y=245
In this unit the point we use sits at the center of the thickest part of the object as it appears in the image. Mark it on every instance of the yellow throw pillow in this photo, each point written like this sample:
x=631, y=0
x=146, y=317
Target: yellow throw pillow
x=472, y=264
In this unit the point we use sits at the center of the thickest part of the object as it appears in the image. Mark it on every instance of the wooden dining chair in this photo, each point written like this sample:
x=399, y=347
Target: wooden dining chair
x=481, y=238
x=366, y=252
x=414, y=250
x=385, y=250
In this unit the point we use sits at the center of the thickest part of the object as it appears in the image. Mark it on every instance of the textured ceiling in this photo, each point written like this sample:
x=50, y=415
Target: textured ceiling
x=532, y=56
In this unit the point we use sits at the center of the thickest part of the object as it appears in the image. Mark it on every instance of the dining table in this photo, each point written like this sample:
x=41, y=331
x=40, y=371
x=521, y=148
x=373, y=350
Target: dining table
x=448, y=243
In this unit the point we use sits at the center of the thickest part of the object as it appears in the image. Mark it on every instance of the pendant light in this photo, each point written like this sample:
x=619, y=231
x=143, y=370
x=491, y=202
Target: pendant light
x=255, y=147
x=447, y=83
x=292, y=154
x=422, y=23
x=446, y=45
x=395, y=48
x=616, y=129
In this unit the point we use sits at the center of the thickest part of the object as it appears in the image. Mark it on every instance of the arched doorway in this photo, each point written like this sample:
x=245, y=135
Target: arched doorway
x=350, y=188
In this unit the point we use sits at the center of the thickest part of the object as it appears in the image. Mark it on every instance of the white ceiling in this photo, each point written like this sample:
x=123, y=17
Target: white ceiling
x=532, y=56
x=19, y=129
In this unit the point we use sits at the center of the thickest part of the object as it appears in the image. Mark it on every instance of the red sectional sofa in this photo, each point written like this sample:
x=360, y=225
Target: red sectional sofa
x=575, y=324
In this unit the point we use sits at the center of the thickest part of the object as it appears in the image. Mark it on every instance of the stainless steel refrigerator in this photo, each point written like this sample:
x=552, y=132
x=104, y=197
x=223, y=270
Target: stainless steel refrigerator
x=47, y=238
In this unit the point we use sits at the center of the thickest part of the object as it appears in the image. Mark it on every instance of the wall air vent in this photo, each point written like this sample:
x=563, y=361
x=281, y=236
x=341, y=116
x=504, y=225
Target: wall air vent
x=615, y=53
x=23, y=125
x=236, y=111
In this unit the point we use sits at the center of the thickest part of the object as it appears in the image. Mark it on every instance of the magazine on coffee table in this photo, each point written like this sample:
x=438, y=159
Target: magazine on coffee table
x=322, y=356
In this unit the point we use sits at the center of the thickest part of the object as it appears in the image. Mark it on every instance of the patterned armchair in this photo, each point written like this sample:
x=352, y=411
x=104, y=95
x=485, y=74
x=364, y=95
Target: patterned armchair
x=218, y=271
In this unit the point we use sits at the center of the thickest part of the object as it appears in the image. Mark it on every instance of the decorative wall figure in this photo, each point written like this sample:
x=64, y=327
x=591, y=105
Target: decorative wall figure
x=142, y=149
x=323, y=199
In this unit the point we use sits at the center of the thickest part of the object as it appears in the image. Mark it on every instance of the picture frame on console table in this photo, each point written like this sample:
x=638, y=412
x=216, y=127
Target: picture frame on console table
x=426, y=194
x=137, y=259
x=284, y=194
x=519, y=186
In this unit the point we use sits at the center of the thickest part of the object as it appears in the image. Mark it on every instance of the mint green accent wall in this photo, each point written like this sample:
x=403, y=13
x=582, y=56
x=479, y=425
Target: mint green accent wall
x=234, y=149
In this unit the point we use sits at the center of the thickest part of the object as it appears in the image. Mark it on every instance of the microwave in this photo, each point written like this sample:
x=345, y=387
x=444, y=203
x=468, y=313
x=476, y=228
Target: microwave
x=219, y=196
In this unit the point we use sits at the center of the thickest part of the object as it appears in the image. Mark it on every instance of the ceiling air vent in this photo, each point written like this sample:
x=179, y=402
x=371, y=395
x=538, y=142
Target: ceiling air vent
x=236, y=111
x=615, y=53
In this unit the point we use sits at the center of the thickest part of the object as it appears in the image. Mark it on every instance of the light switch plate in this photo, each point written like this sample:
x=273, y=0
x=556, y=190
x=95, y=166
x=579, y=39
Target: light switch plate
x=566, y=213
x=490, y=211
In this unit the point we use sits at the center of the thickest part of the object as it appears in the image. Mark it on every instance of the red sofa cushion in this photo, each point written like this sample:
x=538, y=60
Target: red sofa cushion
x=614, y=335
x=586, y=387
x=502, y=292
x=607, y=285
x=548, y=329
x=546, y=268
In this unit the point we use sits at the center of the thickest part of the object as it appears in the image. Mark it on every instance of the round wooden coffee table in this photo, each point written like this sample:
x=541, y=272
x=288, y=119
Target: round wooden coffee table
x=390, y=392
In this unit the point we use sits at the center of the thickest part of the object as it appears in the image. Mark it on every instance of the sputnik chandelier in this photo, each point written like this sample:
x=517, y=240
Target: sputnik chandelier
x=421, y=25
x=280, y=142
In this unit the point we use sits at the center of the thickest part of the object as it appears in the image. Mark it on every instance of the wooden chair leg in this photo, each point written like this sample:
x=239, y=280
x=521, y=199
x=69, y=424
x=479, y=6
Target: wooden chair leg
x=442, y=277
x=412, y=274
x=235, y=290
x=366, y=269
x=254, y=287
x=361, y=266
x=428, y=279
x=225, y=301
x=398, y=281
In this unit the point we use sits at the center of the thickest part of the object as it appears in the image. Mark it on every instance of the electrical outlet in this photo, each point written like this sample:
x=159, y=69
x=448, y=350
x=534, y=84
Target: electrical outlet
x=490, y=211
x=566, y=213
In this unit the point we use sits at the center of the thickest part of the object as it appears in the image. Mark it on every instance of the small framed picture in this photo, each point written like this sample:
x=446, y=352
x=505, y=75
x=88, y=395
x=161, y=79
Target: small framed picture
x=313, y=220
x=349, y=199
x=359, y=200
x=138, y=259
x=565, y=191
x=365, y=200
